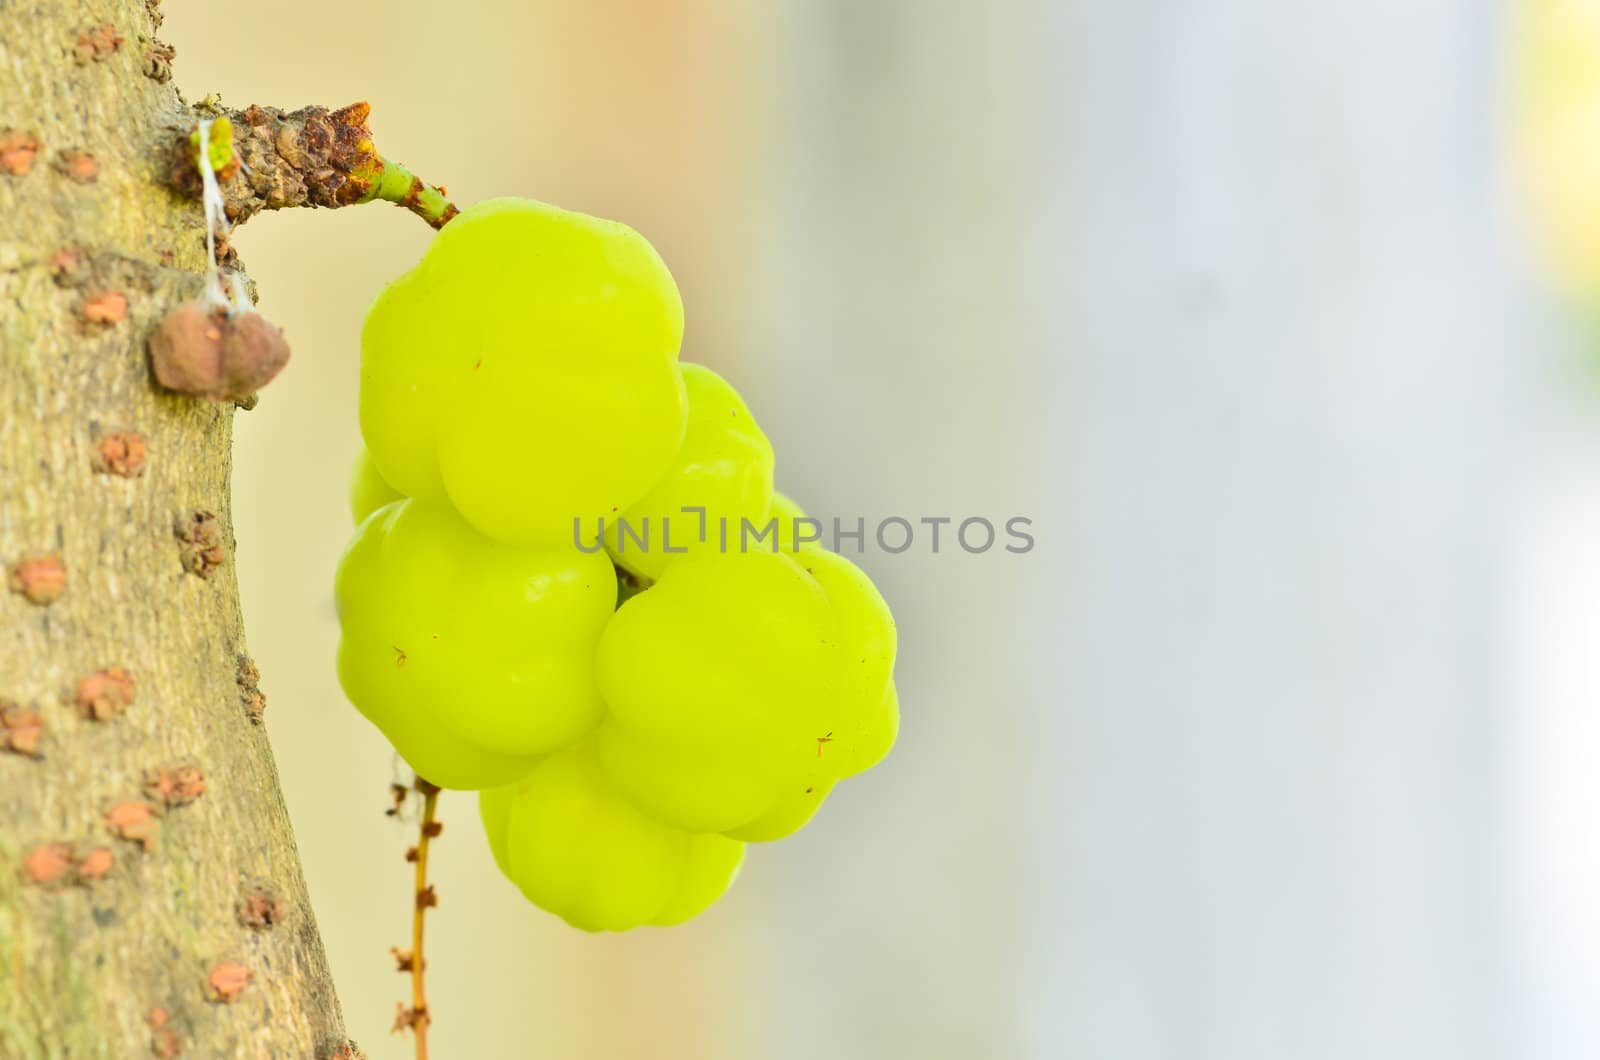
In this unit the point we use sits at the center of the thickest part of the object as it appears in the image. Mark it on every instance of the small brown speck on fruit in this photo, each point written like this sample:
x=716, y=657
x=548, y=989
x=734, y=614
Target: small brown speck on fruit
x=122, y=453
x=42, y=579
x=48, y=864
x=104, y=694
x=105, y=307
x=227, y=981
x=17, y=152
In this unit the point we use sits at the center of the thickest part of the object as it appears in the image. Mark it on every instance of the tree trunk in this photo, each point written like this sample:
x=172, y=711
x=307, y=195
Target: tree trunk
x=122, y=934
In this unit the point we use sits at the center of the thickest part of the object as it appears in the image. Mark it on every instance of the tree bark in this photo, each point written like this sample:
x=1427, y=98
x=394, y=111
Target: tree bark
x=143, y=953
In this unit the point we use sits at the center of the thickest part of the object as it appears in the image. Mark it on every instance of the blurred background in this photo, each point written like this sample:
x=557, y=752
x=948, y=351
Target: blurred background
x=1277, y=319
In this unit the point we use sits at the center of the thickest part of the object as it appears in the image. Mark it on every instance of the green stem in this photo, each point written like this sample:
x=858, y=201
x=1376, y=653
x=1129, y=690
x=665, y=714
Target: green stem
x=397, y=184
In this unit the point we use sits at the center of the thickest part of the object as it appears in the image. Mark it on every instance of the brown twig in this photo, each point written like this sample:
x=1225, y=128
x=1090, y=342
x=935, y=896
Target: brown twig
x=309, y=157
x=417, y=1016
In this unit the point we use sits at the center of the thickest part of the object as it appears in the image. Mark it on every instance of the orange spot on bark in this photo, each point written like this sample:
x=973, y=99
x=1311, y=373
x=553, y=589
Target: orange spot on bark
x=94, y=45
x=79, y=166
x=105, y=693
x=105, y=307
x=175, y=785
x=17, y=152
x=42, y=579
x=136, y=822
x=47, y=864
x=260, y=911
x=228, y=980
x=122, y=453
x=22, y=729
x=95, y=865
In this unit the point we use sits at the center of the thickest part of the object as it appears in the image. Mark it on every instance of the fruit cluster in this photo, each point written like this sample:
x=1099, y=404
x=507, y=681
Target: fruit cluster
x=521, y=402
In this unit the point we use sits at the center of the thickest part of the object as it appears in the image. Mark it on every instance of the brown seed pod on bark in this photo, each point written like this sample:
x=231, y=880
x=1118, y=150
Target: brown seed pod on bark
x=203, y=351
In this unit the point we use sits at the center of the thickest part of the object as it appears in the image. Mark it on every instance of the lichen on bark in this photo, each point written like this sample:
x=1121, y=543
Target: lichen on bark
x=113, y=957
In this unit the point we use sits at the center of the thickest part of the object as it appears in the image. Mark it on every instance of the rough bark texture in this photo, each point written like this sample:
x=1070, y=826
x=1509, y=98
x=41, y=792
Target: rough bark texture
x=309, y=157
x=132, y=956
